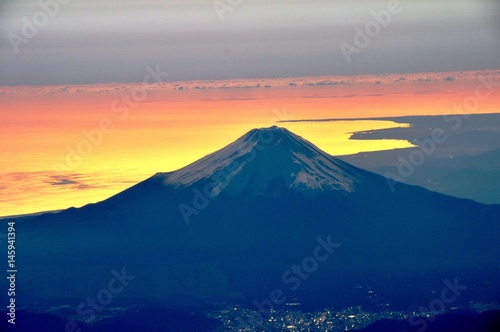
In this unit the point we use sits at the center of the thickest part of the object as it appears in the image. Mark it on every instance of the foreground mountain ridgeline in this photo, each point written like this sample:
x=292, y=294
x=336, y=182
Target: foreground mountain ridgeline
x=270, y=216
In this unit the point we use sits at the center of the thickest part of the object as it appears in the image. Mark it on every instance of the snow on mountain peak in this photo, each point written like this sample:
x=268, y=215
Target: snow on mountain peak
x=267, y=160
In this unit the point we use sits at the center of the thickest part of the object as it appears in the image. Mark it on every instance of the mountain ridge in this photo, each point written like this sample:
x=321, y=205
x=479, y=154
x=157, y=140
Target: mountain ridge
x=239, y=242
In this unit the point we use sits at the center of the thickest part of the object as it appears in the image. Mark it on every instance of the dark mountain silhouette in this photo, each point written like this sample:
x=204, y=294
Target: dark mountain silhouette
x=155, y=319
x=231, y=226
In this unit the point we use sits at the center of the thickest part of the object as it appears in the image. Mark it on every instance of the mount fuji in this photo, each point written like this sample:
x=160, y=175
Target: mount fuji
x=231, y=227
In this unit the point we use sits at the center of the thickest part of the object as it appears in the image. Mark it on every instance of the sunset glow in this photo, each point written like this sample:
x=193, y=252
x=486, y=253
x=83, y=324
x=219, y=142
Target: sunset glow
x=73, y=145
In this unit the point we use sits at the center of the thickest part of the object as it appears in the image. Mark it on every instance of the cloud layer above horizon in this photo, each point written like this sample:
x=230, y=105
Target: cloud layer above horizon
x=80, y=41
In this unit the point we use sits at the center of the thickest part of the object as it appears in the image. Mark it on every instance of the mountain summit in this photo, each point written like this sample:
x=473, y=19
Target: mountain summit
x=268, y=160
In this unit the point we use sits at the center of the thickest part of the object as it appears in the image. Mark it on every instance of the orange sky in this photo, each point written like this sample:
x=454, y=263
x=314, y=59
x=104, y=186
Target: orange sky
x=164, y=128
